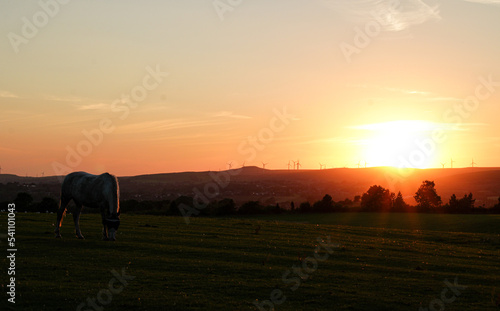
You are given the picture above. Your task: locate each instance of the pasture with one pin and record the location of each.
(230, 263)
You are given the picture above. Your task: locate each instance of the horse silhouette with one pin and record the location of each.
(95, 191)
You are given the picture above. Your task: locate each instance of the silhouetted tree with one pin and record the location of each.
(399, 204)
(496, 208)
(324, 206)
(183, 205)
(47, 205)
(463, 205)
(426, 196)
(305, 207)
(357, 199)
(251, 207)
(377, 198)
(23, 201)
(226, 207)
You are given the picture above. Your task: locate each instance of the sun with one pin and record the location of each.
(401, 143)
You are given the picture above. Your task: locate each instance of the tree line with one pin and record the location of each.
(375, 199)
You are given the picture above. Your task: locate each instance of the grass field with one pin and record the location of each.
(383, 262)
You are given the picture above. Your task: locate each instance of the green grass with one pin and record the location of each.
(411, 221)
(221, 264)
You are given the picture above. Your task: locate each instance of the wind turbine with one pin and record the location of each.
(365, 163)
(243, 165)
(288, 165)
(298, 164)
(451, 161)
(43, 174)
(229, 165)
(443, 163)
(359, 164)
(472, 163)
(294, 164)
(321, 166)
(264, 165)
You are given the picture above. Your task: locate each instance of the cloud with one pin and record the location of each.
(7, 94)
(99, 106)
(404, 91)
(229, 114)
(329, 140)
(484, 1)
(409, 126)
(165, 125)
(389, 15)
(62, 98)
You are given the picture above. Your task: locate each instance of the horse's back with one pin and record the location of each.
(88, 188)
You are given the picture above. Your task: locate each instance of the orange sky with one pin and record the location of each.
(176, 86)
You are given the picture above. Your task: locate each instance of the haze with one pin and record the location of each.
(341, 83)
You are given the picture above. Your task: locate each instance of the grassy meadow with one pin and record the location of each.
(382, 262)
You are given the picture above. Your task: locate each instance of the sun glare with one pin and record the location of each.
(402, 143)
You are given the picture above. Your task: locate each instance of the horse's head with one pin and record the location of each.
(113, 223)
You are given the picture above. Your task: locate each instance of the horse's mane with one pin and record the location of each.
(116, 189)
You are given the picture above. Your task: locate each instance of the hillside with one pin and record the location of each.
(274, 186)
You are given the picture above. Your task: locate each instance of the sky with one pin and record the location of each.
(133, 87)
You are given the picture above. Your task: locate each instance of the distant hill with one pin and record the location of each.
(254, 183)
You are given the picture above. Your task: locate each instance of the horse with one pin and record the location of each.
(98, 191)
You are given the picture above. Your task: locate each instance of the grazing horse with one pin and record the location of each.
(98, 191)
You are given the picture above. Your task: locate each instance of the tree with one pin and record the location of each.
(251, 207)
(23, 201)
(305, 207)
(399, 204)
(463, 205)
(226, 207)
(47, 205)
(325, 205)
(377, 198)
(427, 197)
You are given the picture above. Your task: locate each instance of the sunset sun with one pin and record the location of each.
(402, 143)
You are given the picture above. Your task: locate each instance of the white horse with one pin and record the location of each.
(98, 191)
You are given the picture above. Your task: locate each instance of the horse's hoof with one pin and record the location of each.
(58, 236)
(105, 239)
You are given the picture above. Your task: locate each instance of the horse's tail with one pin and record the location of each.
(116, 190)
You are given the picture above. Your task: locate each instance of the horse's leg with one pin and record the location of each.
(104, 227)
(76, 218)
(63, 203)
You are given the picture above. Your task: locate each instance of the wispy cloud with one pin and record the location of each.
(390, 89)
(407, 126)
(390, 15)
(98, 106)
(229, 114)
(484, 1)
(166, 125)
(62, 98)
(405, 91)
(7, 94)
